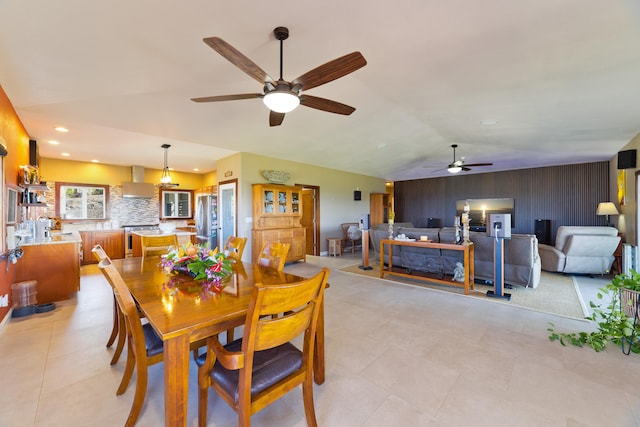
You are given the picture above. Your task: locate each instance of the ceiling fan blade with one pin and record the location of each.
(330, 71)
(238, 59)
(275, 119)
(478, 164)
(326, 105)
(227, 97)
(466, 169)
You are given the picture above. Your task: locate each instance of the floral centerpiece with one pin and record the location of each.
(200, 262)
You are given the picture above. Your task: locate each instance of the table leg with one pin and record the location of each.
(381, 259)
(318, 354)
(466, 270)
(176, 380)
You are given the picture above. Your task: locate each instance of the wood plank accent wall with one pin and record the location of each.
(566, 195)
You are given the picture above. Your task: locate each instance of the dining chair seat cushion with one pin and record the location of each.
(269, 367)
(152, 340)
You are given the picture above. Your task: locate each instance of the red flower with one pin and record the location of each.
(216, 268)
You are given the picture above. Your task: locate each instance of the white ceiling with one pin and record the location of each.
(561, 78)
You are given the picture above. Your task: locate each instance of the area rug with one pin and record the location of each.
(556, 293)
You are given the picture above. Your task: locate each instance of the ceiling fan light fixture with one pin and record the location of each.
(454, 169)
(281, 101)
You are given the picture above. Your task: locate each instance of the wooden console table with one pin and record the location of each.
(468, 261)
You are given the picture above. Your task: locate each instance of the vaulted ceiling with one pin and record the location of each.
(559, 80)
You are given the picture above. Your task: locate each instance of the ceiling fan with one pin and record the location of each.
(459, 165)
(282, 96)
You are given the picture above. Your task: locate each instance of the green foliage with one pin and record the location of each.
(613, 325)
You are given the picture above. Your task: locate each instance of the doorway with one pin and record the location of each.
(310, 220)
(228, 202)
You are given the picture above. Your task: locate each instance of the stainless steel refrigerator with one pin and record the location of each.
(207, 220)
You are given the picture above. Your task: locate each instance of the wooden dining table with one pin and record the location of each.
(182, 312)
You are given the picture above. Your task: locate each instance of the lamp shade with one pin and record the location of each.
(281, 101)
(607, 208)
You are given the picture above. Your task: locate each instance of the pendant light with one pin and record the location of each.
(165, 180)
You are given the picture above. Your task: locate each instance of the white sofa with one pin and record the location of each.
(580, 250)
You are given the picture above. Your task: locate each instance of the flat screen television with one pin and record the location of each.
(481, 208)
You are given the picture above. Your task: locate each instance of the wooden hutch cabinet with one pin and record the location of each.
(379, 209)
(277, 210)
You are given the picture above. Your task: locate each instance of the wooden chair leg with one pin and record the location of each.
(203, 402)
(114, 330)
(307, 397)
(138, 400)
(128, 370)
(122, 336)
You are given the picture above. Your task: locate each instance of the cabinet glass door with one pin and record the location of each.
(282, 201)
(295, 202)
(268, 201)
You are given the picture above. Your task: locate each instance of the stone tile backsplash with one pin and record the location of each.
(121, 211)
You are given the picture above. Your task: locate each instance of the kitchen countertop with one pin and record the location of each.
(56, 238)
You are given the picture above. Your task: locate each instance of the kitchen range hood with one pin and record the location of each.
(137, 187)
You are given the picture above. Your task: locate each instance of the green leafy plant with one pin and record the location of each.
(613, 324)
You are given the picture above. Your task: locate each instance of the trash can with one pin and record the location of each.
(24, 296)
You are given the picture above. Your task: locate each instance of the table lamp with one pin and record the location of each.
(607, 208)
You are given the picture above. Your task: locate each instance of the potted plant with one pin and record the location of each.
(617, 322)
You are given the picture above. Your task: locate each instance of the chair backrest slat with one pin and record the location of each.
(273, 255)
(158, 245)
(297, 304)
(234, 247)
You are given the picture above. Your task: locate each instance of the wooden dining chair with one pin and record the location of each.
(273, 255)
(144, 346)
(119, 328)
(234, 247)
(157, 245)
(262, 366)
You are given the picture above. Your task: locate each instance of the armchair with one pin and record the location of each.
(351, 235)
(582, 250)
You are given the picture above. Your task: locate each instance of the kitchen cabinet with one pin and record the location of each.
(112, 241)
(277, 210)
(56, 268)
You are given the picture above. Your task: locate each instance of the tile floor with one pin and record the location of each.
(396, 356)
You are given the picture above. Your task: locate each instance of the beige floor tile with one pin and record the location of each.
(396, 355)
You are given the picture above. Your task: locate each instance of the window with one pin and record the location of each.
(81, 201)
(12, 206)
(176, 203)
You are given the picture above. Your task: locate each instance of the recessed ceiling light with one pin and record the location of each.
(52, 142)
(62, 129)
(65, 154)
(95, 161)
(196, 169)
(489, 122)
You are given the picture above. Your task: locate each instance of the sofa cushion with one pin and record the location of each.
(521, 260)
(581, 250)
(565, 231)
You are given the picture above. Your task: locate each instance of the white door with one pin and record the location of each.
(228, 208)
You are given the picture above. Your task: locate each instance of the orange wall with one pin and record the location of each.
(17, 141)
